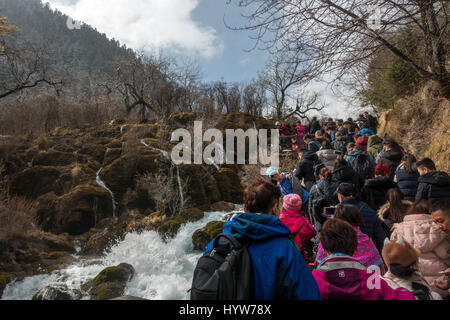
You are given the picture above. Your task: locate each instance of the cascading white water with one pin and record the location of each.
(164, 270)
(167, 156)
(103, 185)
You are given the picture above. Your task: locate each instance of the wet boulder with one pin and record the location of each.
(222, 206)
(230, 185)
(203, 236)
(55, 293)
(110, 283)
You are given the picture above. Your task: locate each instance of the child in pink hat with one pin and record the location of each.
(301, 229)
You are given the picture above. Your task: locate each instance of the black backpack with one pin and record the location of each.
(362, 166)
(319, 201)
(224, 273)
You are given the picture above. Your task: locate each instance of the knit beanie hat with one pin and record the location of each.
(382, 169)
(292, 202)
(399, 252)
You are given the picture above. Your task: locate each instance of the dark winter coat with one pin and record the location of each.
(433, 186)
(346, 174)
(374, 191)
(392, 158)
(407, 183)
(305, 169)
(340, 144)
(327, 188)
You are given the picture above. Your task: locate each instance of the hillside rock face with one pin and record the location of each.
(59, 170)
(421, 124)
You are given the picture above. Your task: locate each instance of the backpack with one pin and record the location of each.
(362, 166)
(224, 273)
(319, 202)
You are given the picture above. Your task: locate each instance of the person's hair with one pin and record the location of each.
(338, 134)
(402, 272)
(356, 136)
(319, 133)
(350, 214)
(426, 163)
(410, 163)
(326, 173)
(308, 136)
(441, 205)
(326, 145)
(338, 236)
(359, 147)
(340, 163)
(421, 206)
(397, 208)
(260, 196)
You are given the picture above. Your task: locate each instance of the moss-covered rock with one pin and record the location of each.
(110, 282)
(203, 236)
(222, 206)
(34, 182)
(53, 158)
(171, 226)
(192, 214)
(4, 280)
(229, 185)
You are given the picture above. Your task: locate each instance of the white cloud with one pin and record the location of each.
(147, 25)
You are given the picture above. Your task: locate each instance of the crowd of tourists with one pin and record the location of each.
(359, 218)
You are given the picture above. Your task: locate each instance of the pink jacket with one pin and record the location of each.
(423, 234)
(300, 129)
(344, 278)
(300, 227)
(366, 253)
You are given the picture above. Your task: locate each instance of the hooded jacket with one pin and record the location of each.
(346, 174)
(392, 158)
(328, 189)
(351, 157)
(300, 228)
(340, 144)
(396, 282)
(433, 186)
(374, 191)
(279, 270)
(362, 141)
(407, 182)
(422, 233)
(327, 157)
(341, 277)
(305, 169)
(374, 146)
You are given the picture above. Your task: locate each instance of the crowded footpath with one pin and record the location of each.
(360, 218)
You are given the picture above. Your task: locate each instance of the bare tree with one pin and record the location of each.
(281, 77)
(338, 35)
(142, 82)
(25, 66)
(306, 102)
(254, 98)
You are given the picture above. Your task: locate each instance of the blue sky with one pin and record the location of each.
(191, 29)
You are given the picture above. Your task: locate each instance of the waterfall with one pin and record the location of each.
(164, 270)
(167, 156)
(103, 185)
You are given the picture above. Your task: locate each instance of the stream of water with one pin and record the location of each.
(164, 270)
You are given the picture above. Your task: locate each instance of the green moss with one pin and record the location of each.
(170, 227)
(111, 274)
(4, 280)
(192, 214)
(203, 236)
(229, 185)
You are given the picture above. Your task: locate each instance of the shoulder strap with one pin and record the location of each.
(232, 240)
